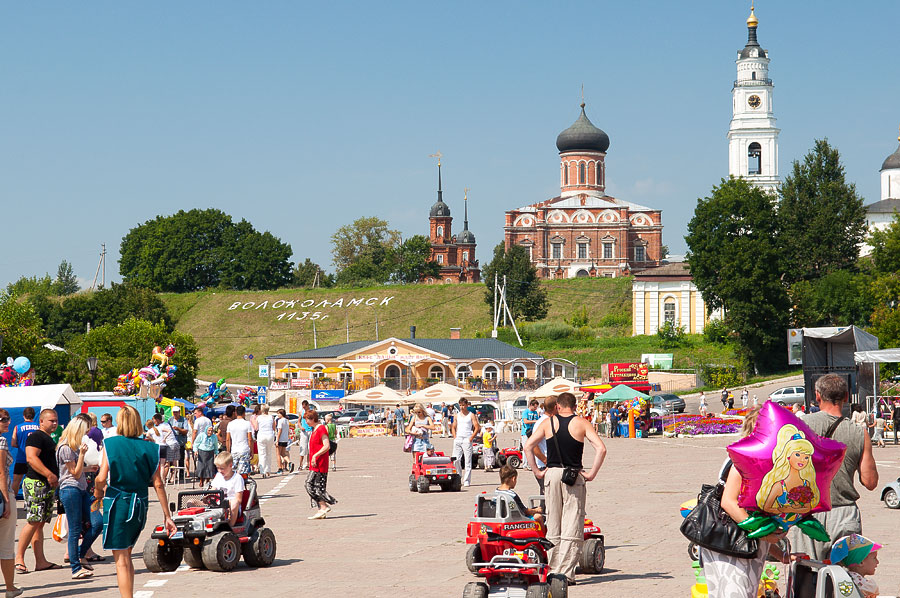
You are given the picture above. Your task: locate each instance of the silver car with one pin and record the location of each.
(789, 395)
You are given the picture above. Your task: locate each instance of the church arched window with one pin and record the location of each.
(754, 158)
(599, 178)
(566, 174)
(440, 231)
(581, 174)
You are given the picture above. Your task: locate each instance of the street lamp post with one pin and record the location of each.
(92, 368)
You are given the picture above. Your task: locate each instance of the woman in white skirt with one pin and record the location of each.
(265, 439)
(728, 576)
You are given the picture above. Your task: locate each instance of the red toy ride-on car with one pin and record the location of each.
(500, 528)
(434, 469)
(510, 456)
(512, 576)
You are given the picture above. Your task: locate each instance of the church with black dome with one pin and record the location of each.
(454, 254)
(585, 232)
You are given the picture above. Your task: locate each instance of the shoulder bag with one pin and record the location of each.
(570, 474)
(709, 526)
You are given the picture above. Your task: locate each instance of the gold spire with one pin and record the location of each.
(752, 21)
(898, 138)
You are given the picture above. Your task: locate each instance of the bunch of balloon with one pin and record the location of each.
(634, 411)
(215, 392)
(16, 372)
(153, 376)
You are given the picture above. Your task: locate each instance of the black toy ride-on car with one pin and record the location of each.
(437, 469)
(204, 538)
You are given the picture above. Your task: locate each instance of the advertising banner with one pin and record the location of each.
(795, 346)
(327, 395)
(368, 430)
(628, 372)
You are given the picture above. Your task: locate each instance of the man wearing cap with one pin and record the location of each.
(844, 518)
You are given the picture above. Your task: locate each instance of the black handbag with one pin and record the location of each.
(709, 526)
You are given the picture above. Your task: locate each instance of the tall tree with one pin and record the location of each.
(201, 249)
(526, 298)
(822, 220)
(735, 262)
(308, 273)
(413, 263)
(363, 235)
(66, 282)
(32, 286)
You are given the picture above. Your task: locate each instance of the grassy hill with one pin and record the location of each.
(228, 325)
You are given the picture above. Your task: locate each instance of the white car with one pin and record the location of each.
(789, 395)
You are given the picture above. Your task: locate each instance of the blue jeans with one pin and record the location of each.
(82, 523)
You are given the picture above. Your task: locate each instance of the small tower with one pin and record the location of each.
(753, 136)
(439, 217)
(582, 151)
(469, 270)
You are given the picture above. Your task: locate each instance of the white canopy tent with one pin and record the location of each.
(876, 357)
(378, 395)
(44, 396)
(443, 392)
(554, 387)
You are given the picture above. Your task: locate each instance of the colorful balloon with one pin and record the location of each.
(787, 471)
(22, 365)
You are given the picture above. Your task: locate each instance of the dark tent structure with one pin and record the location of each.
(831, 350)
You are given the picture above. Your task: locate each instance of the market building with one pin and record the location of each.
(584, 231)
(455, 254)
(667, 293)
(414, 363)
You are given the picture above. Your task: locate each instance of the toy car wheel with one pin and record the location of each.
(412, 483)
(193, 557)
(538, 590)
(694, 552)
(501, 459)
(456, 484)
(222, 552)
(891, 499)
(473, 555)
(559, 586)
(593, 556)
(475, 589)
(513, 461)
(162, 559)
(259, 551)
(422, 485)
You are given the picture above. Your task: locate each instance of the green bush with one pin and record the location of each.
(615, 319)
(580, 318)
(721, 376)
(716, 331)
(670, 335)
(546, 331)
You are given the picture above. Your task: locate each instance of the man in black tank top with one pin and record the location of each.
(566, 433)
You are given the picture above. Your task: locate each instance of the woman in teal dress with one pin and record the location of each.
(129, 465)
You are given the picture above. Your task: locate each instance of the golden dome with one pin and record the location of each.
(752, 21)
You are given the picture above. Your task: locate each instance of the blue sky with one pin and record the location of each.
(302, 116)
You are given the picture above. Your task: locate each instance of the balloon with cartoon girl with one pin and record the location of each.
(789, 490)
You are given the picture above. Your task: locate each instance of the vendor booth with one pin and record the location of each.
(99, 403)
(378, 396)
(876, 402)
(832, 350)
(444, 393)
(59, 397)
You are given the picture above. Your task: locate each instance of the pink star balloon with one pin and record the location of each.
(786, 467)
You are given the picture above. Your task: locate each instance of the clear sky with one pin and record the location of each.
(302, 116)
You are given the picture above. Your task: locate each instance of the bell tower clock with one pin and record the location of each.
(752, 136)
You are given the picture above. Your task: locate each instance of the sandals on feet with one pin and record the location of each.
(21, 569)
(82, 574)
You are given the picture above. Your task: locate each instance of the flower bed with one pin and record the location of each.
(692, 425)
(741, 412)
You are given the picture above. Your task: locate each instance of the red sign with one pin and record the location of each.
(300, 382)
(628, 372)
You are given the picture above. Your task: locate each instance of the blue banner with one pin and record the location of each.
(327, 395)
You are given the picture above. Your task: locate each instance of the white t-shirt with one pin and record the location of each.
(265, 426)
(231, 486)
(110, 431)
(169, 434)
(238, 430)
(284, 430)
(543, 443)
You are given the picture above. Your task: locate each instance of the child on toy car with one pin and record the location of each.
(508, 479)
(231, 483)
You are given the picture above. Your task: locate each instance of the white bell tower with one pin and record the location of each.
(753, 137)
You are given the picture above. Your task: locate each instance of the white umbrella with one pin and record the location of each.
(443, 392)
(378, 395)
(554, 387)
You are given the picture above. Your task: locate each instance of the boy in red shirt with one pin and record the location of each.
(318, 466)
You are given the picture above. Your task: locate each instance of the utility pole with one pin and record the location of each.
(315, 337)
(376, 326)
(101, 267)
(348, 329)
(494, 331)
(504, 300)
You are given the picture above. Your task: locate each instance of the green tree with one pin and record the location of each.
(309, 273)
(373, 266)
(886, 248)
(113, 305)
(735, 262)
(20, 327)
(413, 260)
(66, 282)
(821, 218)
(362, 236)
(201, 249)
(32, 286)
(840, 298)
(121, 347)
(526, 298)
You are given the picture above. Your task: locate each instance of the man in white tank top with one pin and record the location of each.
(464, 429)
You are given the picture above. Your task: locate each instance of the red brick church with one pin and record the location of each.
(584, 231)
(455, 254)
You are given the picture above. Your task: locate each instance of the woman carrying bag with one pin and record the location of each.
(730, 576)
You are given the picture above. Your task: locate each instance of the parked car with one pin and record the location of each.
(520, 406)
(353, 417)
(789, 395)
(668, 403)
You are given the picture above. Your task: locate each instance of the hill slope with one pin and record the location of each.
(229, 325)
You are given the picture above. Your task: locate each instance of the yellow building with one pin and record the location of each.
(412, 364)
(667, 294)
